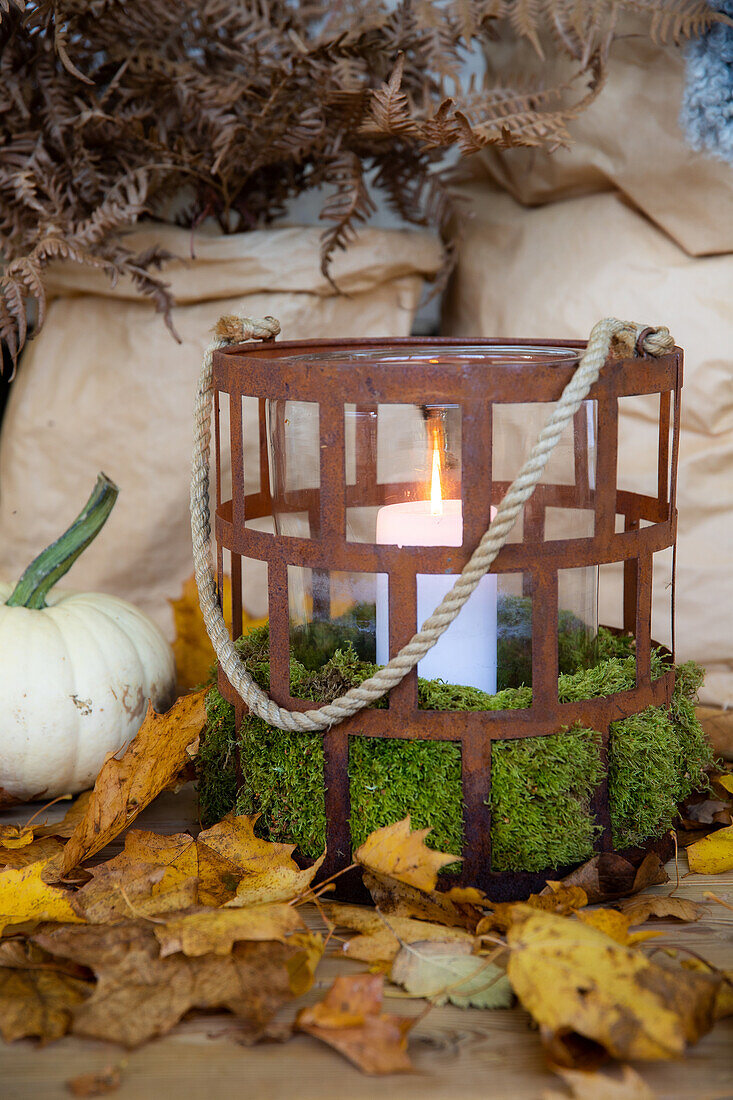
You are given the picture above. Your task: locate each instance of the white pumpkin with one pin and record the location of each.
(76, 674)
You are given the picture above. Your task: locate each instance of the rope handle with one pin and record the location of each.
(634, 339)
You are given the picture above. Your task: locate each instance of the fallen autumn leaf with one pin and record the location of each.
(140, 995)
(381, 938)
(215, 930)
(24, 896)
(402, 854)
(350, 1020)
(126, 786)
(573, 978)
(713, 854)
(446, 972)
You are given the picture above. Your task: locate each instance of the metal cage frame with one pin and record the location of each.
(264, 372)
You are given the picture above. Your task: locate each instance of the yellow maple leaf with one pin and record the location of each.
(573, 978)
(713, 854)
(24, 896)
(240, 869)
(402, 854)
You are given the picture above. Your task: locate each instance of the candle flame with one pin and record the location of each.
(436, 484)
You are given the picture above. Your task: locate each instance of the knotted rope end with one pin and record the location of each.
(238, 330)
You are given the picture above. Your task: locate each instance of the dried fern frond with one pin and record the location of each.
(229, 108)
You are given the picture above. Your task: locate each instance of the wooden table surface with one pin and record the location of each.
(459, 1054)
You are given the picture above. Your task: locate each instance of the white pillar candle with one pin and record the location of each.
(466, 653)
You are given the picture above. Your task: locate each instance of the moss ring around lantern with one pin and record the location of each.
(542, 788)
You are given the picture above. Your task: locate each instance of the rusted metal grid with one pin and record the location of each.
(649, 525)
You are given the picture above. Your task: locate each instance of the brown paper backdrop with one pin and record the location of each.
(629, 140)
(554, 271)
(105, 387)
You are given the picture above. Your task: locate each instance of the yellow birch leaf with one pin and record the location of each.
(214, 931)
(24, 896)
(396, 851)
(573, 979)
(713, 854)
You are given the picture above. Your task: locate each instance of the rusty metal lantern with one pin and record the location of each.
(324, 434)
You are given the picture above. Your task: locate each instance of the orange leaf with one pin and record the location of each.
(403, 855)
(350, 1020)
(126, 786)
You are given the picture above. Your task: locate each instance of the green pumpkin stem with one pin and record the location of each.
(58, 558)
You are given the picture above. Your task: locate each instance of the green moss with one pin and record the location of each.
(541, 788)
(655, 760)
(216, 763)
(391, 778)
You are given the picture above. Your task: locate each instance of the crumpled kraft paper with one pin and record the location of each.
(105, 387)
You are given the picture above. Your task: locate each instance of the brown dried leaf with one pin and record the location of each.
(69, 821)
(576, 981)
(456, 908)
(350, 1020)
(381, 938)
(126, 786)
(646, 906)
(607, 876)
(396, 851)
(215, 930)
(15, 836)
(129, 886)
(140, 995)
(724, 1000)
(96, 1084)
(37, 993)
